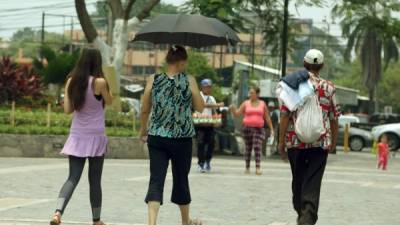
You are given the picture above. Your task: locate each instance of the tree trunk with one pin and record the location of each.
(113, 56)
(86, 23)
(371, 107)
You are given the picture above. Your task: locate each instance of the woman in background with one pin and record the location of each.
(255, 113)
(171, 97)
(86, 93)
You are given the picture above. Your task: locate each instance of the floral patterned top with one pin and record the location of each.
(326, 93)
(171, 107)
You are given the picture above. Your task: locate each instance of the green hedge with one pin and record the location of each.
(34, 121)
(36, 130)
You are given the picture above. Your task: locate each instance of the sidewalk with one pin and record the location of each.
(353, 192)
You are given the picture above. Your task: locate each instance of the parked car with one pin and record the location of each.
(392, 131)
(384, 118)
(348, 119)
(358, 138)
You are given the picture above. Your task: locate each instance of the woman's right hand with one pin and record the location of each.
(143, 136)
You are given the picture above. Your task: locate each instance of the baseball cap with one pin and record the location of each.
(206, 83)
(314, 56)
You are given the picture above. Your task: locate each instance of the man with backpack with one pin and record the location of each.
(308, 133)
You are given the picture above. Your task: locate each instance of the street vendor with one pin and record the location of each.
(205, 131)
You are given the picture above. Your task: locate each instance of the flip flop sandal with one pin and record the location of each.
(56, 220)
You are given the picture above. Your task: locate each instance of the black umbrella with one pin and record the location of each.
(189, 30)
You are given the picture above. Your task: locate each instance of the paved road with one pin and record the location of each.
(354, 193)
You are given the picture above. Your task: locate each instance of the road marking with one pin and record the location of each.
(249, 177)
(13, 203)
(367, 184)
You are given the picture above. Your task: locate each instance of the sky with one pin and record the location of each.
(17, 14)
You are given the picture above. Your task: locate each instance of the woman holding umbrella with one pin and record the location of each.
(171, 97)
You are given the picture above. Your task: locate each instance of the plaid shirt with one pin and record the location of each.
(330, 110)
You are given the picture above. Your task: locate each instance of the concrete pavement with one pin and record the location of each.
(353, 193)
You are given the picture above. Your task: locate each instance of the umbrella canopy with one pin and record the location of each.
(189, 30)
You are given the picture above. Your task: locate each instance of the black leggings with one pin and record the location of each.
(179, 151)
(76, 165)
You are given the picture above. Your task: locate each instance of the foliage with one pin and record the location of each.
(59, 66)
(30, 40)
(243, 15)
(351, 77)
(371, 30)
(17, 82)
(388, 90)
(35, 130)
(102, 11)
(228, 11)
(329, 45)
(199, 68)
(34, 121)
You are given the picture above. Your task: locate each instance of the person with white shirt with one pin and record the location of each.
(205, 132)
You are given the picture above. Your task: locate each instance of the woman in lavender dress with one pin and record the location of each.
(86, 93)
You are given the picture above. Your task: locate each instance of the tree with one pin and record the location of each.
(199, 68)
(371, 31)
(388, 90)
(114, 54)
(102, 10)
(228, 11)
(59, 65)
(30, 41)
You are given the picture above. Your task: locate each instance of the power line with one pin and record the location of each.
(36, 11)
(58, 5)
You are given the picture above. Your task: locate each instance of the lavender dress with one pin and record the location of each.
(87, 135)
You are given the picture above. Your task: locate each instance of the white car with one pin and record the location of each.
(348, 119)
(392, 131)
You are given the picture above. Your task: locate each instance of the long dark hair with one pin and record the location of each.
(88, 64)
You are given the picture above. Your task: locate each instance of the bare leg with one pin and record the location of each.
(154, 207)
(185, 214)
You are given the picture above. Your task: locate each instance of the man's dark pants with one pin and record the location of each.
(308, 166)
(205, 144)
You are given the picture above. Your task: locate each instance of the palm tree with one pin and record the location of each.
(373, 33)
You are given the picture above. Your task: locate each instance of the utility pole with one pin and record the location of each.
(71, 35)
(285, 37)
(253, 46)
(63, 37)
(42, 36)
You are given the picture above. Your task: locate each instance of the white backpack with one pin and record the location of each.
(309, 124)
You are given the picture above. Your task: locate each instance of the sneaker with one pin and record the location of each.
(201, 169)
(208, 167)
